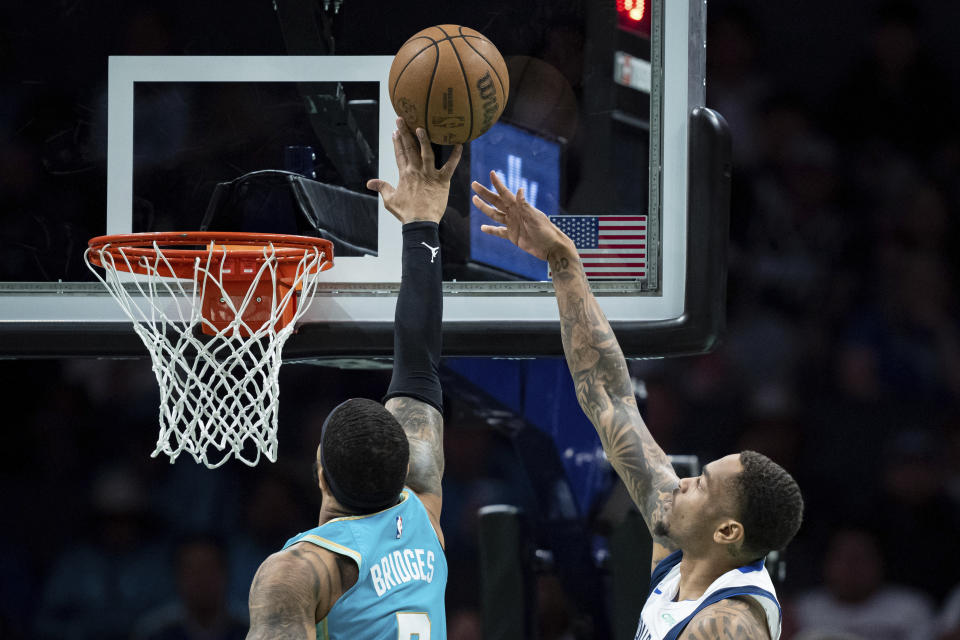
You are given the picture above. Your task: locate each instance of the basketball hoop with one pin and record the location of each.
(214, 310)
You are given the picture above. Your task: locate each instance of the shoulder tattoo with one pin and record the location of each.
(423, 425)
(286, 593)
(730, 619)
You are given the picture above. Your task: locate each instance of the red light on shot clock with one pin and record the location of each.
(635, 9)
(634, 16)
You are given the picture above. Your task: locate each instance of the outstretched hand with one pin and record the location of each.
(422, 191)
(525, 225)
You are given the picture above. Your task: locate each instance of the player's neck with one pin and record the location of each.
(698, 572)
(330, 510)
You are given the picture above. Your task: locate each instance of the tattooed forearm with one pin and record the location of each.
(605, 393)
(424, 427)
(286, 592)
(731, 619)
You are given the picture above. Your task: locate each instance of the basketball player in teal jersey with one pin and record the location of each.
(374, 568)
(710, 533)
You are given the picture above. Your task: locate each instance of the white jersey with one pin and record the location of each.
(664, 618)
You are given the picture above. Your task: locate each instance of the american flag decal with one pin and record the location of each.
(611, 247)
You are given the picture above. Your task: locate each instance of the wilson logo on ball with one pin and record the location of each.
(491, 109)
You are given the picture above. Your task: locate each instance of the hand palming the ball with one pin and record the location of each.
(422, 190)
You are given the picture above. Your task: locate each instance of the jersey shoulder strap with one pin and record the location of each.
(766, 599)
(663, 568)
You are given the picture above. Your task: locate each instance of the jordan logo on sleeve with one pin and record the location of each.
(433, 251)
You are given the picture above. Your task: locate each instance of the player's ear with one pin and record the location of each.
(728, 532)
(318, 477)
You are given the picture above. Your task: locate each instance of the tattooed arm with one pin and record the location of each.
(605, 393)
(292, 590)
(730, 619)
(424, 427)
(596, 362)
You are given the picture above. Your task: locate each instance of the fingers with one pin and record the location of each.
(386, 191)
(500, 232)
(398, 151)
(408, 143)
(383, 187)
(489, 211)
(426, 150)
(446, 171)
(500, 187)
(485, 193)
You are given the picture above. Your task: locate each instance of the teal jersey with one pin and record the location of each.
(402, 574)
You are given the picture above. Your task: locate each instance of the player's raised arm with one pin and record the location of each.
(593, 354)
(291, 588)
(414, 397)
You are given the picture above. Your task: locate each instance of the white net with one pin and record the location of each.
(219, 393)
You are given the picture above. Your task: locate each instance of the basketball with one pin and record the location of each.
(451, 81)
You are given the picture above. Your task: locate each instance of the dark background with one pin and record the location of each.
(842, 359)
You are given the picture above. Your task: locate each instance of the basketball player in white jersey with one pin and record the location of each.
(710, 533)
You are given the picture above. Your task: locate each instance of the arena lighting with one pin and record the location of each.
(634, 16)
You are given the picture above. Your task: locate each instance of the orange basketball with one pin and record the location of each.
(451, 81)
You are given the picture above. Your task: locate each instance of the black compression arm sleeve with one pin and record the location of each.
(418, 318)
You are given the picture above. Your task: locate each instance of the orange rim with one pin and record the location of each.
(127, 249)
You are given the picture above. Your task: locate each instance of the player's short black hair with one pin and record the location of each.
(364, 453)
(771, 507)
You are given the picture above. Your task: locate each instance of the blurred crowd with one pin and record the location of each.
(102, 541)
(841, 362)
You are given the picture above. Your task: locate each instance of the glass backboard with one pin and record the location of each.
(605, 128)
